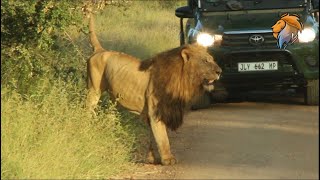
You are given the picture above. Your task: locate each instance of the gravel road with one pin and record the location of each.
(267, 139)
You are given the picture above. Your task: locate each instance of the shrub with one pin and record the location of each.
(29, 29)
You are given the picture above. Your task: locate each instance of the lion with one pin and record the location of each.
(159, 89)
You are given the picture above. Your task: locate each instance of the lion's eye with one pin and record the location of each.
(208, 60)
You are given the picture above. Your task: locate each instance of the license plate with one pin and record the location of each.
(258, 66)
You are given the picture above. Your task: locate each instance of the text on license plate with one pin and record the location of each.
(258, 66)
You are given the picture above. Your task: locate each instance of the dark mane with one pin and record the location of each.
(175, 84)
(164, 56)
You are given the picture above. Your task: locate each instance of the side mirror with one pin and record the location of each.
(184, 12)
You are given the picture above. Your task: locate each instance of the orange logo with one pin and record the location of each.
(286, 30)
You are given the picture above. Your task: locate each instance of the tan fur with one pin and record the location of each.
(158, 89)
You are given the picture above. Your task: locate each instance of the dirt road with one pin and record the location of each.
(247, 140)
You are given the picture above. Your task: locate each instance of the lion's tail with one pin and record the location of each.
(93, 37)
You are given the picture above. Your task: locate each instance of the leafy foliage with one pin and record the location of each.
(35, 22)
(29, 29)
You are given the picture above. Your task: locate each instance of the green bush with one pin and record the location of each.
(29, 29)
(35, 22)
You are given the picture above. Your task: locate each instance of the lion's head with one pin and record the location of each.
(178, 76)
(202, 66)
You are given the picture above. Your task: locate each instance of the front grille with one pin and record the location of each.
(242, 40)
(230, 62)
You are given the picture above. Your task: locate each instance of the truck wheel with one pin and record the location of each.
(311, 95)
(202, 103)
(219, 96)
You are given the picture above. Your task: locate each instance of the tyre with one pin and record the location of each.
(202, 102)
(311, 95)
(219, 96)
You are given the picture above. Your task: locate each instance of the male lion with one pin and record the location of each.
(158, 89)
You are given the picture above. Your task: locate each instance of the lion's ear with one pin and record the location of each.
(185, 55)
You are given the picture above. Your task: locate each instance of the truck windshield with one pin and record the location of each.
(231, 5)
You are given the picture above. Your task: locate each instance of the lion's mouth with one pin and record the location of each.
(209, 84)
(211, 81)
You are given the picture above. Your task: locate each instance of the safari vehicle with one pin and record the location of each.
(239, 36)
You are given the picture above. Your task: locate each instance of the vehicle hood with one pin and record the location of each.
(219, 22)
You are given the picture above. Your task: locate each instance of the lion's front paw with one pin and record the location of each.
(169, 161)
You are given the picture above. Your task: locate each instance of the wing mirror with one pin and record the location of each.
(184, 12)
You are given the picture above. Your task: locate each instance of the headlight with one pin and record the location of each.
(307, 35)
(206, 39)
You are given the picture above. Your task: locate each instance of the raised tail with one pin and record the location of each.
(93, 37)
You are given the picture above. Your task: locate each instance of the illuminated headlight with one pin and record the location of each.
(206, 39)
(307, 35)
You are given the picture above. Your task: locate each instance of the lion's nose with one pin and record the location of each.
(218, 70)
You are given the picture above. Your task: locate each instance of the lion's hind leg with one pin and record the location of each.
(93, 97)
(96, 84)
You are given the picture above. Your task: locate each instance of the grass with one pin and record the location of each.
(49, 134)
(144, 29)
(58, 138)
